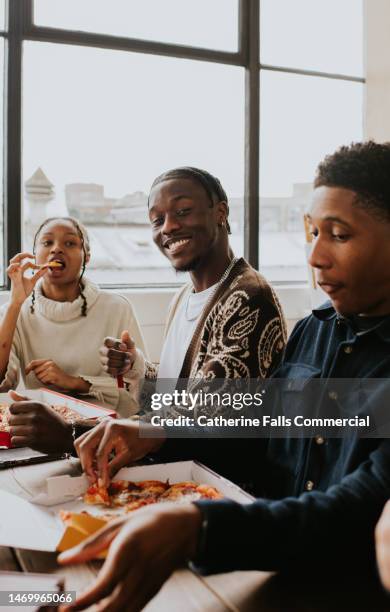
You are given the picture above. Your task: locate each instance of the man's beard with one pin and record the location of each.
(191, 266)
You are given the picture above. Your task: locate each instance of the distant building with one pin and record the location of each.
(285, 214)
(39, 191)
(88, 203)
(121, 239)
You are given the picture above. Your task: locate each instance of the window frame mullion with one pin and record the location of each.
(16, 15)
(251, 33)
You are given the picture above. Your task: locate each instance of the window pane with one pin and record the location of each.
(302, 119)
(2, 14)
(103, 124)
(1, 161)
(325, 35)
(200, 23)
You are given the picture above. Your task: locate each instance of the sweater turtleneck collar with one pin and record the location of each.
(65, 311)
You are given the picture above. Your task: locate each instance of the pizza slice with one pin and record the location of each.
(184, 492)
(97, 495)
(4, 417)
(125, 493)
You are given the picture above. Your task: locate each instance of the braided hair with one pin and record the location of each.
(211, 184)
(83, 235)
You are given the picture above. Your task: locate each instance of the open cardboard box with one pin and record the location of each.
(24, 524)
(85, 409)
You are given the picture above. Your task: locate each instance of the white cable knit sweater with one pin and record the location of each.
(57, 331)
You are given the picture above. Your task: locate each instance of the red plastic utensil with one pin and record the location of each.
(120, 382)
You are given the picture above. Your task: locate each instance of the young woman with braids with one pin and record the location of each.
(55, 321)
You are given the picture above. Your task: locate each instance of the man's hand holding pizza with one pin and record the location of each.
(113, 444)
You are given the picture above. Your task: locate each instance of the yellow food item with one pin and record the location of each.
(55, 264)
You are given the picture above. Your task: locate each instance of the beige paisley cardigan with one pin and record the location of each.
(241, 332)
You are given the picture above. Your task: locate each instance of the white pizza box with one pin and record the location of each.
(24, 524)
(84, 408)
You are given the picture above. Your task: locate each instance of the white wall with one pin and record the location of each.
(151, 307)
(377, 62)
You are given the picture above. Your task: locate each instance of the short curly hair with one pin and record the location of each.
(362, 167)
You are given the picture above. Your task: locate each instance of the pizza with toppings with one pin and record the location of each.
(68, 414)
(4, 417)
(122, 497)
(188, 492)
(133, 495)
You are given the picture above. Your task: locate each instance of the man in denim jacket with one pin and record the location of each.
(321, 496)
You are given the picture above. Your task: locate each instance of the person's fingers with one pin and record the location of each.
(28, 266)
(118, 462)
(23, 406)
(17, 397)
(147, 589)
(86, 447)
(91, 546)
(42, 368)
(111, 573)
(95, 593)
(124, 364)
(114, 370)
(20, 256)
(116, 355)
(106, 446)
(20, 419)
(126, 339)
(45, 378)
(41, 272)
(81, 438)
(110, 342)
(122, 596)
(34, 364)
(13, 269)
(25, 431)
(116, 601)
(19, 441)
(115, 343)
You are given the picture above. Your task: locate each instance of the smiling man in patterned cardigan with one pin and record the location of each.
(227, 322)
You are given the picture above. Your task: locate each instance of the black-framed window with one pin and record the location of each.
(98, 103)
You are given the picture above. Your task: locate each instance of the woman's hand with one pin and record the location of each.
(144, 551)
(121, 437)
(22, 286)
(49, 373)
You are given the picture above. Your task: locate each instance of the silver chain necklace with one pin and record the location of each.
(217, 286)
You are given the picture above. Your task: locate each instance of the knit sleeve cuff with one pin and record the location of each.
(12, 374)
(138, 370)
